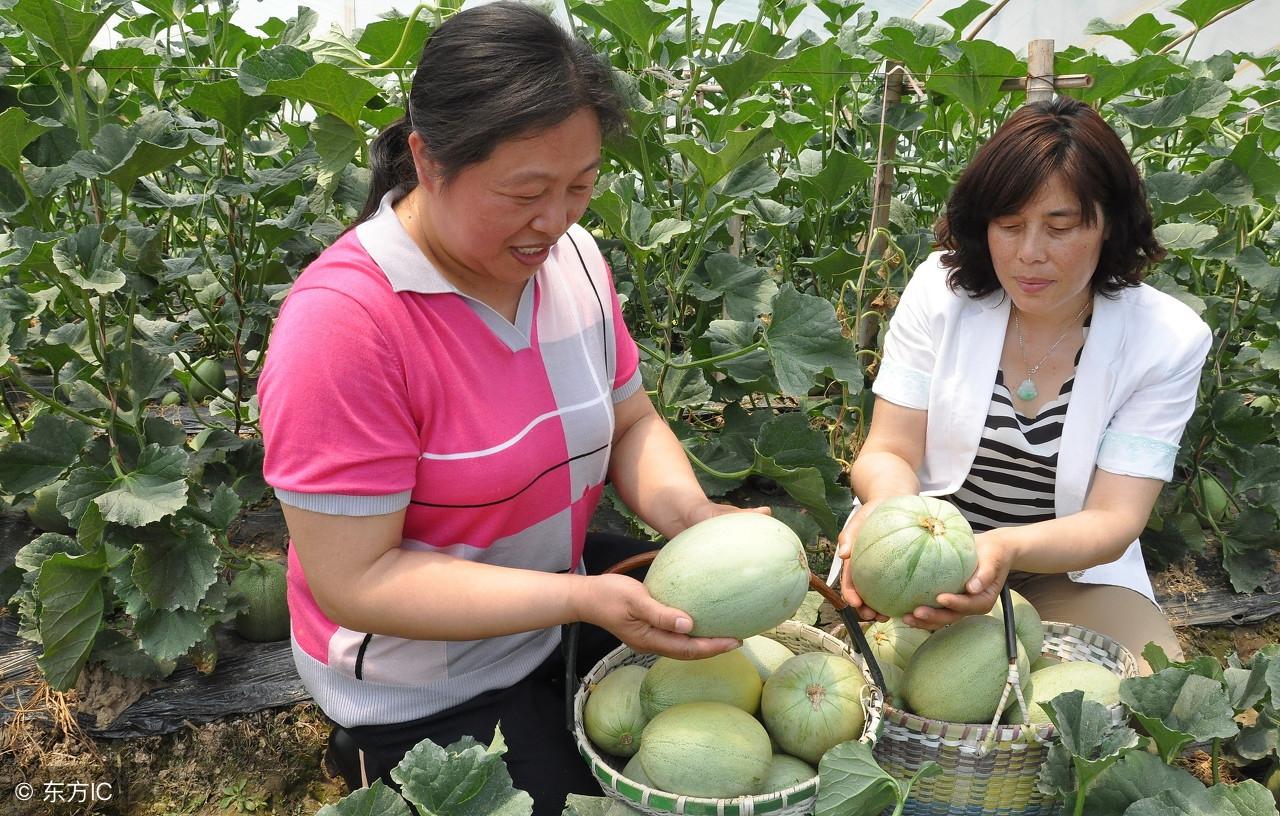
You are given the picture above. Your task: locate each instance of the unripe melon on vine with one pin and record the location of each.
(706, 749)
(735, 575)
(910, 550)
(813, 702)
(1026, 623)
(728, 678)
(958, 675)
(211, 371)
(893, 642)
(43, 511)
(766, 654)
(266, 616)
(613, 717)
(785, 771)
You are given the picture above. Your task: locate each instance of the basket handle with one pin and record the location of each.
(851, 623)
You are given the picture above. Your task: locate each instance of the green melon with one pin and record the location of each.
(959, 673)
(1098, 683)
(1026, 623)
(735, 575)
(706, 749)
(211, 372)
(613, 717)
(813, 702)
(785, 771)
(726, 678)
(910, 550)
(43, 511)
(766, 654)
(633, 771)
(893, 642)
(893, 684)
(266, 616)
(1044, 661)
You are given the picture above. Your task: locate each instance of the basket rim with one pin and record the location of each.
(1014, 732)
(802, 793)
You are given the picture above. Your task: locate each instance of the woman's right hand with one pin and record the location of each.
(844, 550)
(623, 606)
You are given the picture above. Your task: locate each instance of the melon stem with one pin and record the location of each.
(816, 693)
(933, 525)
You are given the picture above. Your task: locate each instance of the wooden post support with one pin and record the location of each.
(1040, 79)
(882, 197)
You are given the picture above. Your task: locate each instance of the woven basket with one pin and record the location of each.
(985, 772)
(793, 801)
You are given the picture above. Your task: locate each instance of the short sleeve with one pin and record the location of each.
(905, 374)
(338, 430)
(626, 375)
(1142, 438)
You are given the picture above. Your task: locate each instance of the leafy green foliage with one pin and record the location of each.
(850, 783)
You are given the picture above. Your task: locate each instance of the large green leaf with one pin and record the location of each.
(226, 102)
(576, 804)
(1177, 708)
(804, 339)
(337, 143)
(1181, 235)
(1200, 12)
(175, 571)
(1255, 268)
(1087, 732)
(738, 148)
(631, 22)
(52, 446)
(1135, 776)
(833, 177)
(123, 156)
(960, 16)
(747, 290)
(975, 79)
(67, 31)
(272, 65)
(798, 458)
(465, 779)
(1227, 183)
(16, 132)
(1258, 165)
(381, 38)
(168, 635)
(850, 781)
(827, 69)
(1246, 799)
(88, 261)
(730, 336)
(913, 44)
(156, 488)
(71, 606)
(375, 800)
(328, 88)
(1144, 33)
(738, 73)
(752, 179)
(1203, 98)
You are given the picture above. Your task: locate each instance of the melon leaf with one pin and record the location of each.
(1089, 739)
(851, 783)
(1177, 707)
(375, 800)
(465, 779)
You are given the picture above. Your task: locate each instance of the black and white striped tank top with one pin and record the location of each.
(1012, 478)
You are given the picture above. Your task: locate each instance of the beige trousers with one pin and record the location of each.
(1120, 613)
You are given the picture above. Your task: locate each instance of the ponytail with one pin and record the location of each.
(391, 165)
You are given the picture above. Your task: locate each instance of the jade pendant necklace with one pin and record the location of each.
(1027, 391)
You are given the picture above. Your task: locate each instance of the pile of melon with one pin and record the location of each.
(750, 721)
(910, 550)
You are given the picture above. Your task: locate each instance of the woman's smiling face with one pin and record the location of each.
(1045, 254)
(493, 224)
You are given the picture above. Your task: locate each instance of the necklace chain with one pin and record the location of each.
(1027, 391)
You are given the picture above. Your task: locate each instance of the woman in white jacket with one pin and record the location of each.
(1033, 380)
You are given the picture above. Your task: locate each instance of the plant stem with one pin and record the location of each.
(1214, 760)
(11, 370)
(710, 471)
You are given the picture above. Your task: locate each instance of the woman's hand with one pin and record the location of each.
(622, 605)
(995, 558)
(844, 550)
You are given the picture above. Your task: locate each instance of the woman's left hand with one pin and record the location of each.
(710, 509)
(995, 559)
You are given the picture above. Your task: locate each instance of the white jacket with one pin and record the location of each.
(1134, 390)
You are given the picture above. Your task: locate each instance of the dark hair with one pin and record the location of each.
(488, 74)
(1040, 139)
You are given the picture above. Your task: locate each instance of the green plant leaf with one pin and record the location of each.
(975, 79)
(1135, 776)
(738, 73)
(748, 291)
(631, 22)
(226, 102)
(794, 129)
(52, 446)
(67, 31)
(271, 65)
(168, 634)
(960, 16)
(913, 44)
(16, 132)
(175, 571)
(328, 88)
(1177, 707)
(375, 800)
(728, 336)
(827, 69)
(578, 805)
(88, 261)
(123, 156)
(804, 340)
(465, 779)
(156, 488)
(1087, 732)
(1257, 165)
(381, 38)
(1203, 98)
(751, 179)
(1255, 267)
(1184, 236)
(714, 163)
(1227, 183)
(71, 605)
(798, 458)
(1246, 799)
(851, 783)
(337, 143)
(1200, 12)
(1144, 33)
(1171, 186)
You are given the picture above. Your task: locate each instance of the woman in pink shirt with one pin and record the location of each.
(448, 388)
